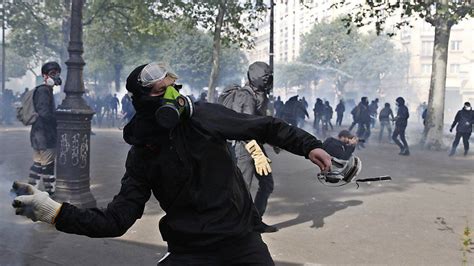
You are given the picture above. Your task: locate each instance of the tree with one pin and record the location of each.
(230, 21)
(39, 30)
(189, 52)
(113, 39)
(364, 59)
(442, 14)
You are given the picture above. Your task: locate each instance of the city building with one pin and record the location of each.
(293, 19)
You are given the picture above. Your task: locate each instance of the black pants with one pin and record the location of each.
(400, 131)
(465, 140)
(363, 131)
(251, 250)
(339, 119)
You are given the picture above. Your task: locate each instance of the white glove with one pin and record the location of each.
(262, 163)
(34, 204)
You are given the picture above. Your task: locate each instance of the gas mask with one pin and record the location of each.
(173, 107)
(344, 172)
(53, 80)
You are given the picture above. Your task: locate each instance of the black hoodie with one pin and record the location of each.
(190, 171)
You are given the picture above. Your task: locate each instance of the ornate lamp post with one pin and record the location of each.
(74, 125)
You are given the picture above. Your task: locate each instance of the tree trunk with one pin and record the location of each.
(117, 74)
(216, 51)
(433, 133)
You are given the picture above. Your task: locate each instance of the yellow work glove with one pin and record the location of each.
(262, 163)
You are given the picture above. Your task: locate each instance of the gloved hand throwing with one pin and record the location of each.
(262, 163)
(34, 204)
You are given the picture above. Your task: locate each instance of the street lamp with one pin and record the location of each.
(74, 125)
(272, 100)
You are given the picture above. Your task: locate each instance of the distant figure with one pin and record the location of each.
(114, 104)
(386, 118)
(290, 111)
(464, 120)
(363, 119)
(8, 99)
(127, 108)
(373, 108)
(401, 122)
(421, 110)
(327, 116)
(278, 106)
(203, 97)
(305, 103)
(340, 109)
(301, 112)
(318, 111)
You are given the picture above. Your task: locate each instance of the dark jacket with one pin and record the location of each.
(340, 108)
(193, 176)
(43, 132)
(361, 113)
(402, 116)
(327, 115)
(464, 120)
(338, 149)
(318, 109)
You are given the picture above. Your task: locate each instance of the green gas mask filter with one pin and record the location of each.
(174, 107)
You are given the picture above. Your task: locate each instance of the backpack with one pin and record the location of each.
(356, 111)
(227, 96)
(26, 112)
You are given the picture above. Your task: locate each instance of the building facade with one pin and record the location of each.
(293, 19)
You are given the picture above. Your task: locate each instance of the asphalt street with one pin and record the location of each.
(416, 219)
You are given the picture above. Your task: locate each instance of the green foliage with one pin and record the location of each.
(34, 28)
(328, 45)
(376, 12)
(364, 59)
(239, 17)
(16, 65)
(296, 74)
(466, 243)
(189, 53)
(121, 34)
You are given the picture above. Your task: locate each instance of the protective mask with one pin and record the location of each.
(173, 108)
(342, 171)
(53, 80)
(467, 108)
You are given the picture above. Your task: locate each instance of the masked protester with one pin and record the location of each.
(250, 155)
(464, 120)
(401, 122)
(179, 153)
(43, 130)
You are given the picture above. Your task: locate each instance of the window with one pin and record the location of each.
(426, 69)
(454, 68)
(427, 48)
(455, 45)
